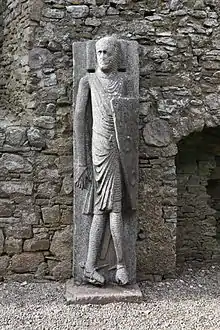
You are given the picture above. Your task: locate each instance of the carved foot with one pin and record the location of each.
(94, 277)
(121, 276)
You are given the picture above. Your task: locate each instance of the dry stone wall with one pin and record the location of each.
(197, 197)
(179, 88)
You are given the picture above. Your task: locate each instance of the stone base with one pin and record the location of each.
(86, 294)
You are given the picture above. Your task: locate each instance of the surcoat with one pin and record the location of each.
(107, 170)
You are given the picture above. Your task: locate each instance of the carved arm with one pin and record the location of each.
(79, 122)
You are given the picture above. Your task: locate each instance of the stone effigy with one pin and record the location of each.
(106, 162)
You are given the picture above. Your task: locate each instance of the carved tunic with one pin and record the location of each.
(105, 154)
(107, 172)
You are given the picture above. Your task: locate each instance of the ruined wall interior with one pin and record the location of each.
(179, 66)
(198, 187)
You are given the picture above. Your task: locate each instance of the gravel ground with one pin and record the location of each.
(191, 301)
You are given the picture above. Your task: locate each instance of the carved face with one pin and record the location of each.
(107, 54)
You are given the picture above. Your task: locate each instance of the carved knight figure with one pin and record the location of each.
(111, 178)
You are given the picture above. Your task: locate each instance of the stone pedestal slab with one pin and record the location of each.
(87, 294)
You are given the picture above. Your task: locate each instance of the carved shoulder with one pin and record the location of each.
(84, 83)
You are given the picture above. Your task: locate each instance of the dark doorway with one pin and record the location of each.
(198, 181)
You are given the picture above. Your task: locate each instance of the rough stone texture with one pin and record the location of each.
(61, 245)
(36, 244)
(4, 262)
(26, 262)
(95, 295)
(62, 271)
(179, 77)
(1, 242)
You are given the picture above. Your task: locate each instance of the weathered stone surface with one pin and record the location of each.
(2, 137)
(42, 270)
(62, 271)
(1, 242)
(12, 246)
(78, 11)
(6, 208)
(53, 13)
(15, 163)
(36, 10)
(51, 215)
(179, 43)
(93, 21)
(46, 122)
(157, 133)
(36, 244)
(15, 136)
(94, 295)
(39, 57)
(19, 231)
(4, 262)
(11, 187)
(26, 262)
(67, 186)
(47, 190)
(35, 138)
(66, 217)
(61, 245)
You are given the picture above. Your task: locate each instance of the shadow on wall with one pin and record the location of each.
(198, 181)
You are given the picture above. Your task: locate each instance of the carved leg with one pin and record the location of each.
(116, 227)
(95, 238)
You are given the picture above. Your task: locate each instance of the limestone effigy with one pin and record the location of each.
(106, 161)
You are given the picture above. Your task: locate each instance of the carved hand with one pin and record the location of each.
(82, 177)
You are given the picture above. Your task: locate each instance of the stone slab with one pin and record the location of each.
(86, 294)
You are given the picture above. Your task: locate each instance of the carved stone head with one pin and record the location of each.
(108, 54)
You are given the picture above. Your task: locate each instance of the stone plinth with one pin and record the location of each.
(87, 294)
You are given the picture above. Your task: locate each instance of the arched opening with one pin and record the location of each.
(198, 182)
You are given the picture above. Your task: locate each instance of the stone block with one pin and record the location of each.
(36, 244)
(12, 246)
(2, 137)
(46, 122)
(19, 231)
(36, 10)
(6, 208)
(47, 190)
(19, 187)
(94, 295)
(15, 136)
(157, 133)
(67, 186)
(51, 215)
(39, 57)
(93, 21)
(1, 242)
(53, 13)
(61, 245)
(47, 174)
(26, 262)
(64, 164)
(35, 138)
(62, 271)
(4, 262)
(15, 163)
(66, 217)
(78, 11)
(42, 270)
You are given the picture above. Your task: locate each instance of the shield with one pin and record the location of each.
(125, 114)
